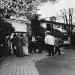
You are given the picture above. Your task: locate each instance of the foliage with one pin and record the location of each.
(5, 28)
(58, 34)
(22, 7)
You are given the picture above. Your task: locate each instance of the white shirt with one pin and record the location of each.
(49, 39)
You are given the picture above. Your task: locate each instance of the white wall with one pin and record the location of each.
(18, 25)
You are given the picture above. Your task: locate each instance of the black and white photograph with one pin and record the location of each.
(37, 37)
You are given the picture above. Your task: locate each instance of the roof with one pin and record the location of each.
(57, 23)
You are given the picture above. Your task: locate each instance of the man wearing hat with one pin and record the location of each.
(49, 41)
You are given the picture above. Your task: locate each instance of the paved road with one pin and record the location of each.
(56, 65)
(21, 65)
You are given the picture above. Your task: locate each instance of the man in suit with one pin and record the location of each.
(13, 41)
(57, 45)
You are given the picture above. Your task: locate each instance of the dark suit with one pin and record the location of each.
(57, 45)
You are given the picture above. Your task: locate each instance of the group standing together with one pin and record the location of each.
(52, 44)
(49, 43)
(22, 47)
(20, 44)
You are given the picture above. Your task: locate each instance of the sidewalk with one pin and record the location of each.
(21, 65)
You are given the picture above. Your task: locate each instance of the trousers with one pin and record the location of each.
(50, 49)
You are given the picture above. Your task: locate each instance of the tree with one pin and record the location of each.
(6, 29)
(22, 7)
(66, 16)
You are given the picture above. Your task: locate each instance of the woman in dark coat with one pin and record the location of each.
(19, 47)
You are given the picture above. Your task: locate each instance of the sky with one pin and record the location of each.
(47, 9)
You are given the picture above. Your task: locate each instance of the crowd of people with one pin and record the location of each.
(20, 44)
(52, 44)
(22, 47)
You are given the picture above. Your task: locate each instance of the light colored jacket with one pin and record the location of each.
(49, 39)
